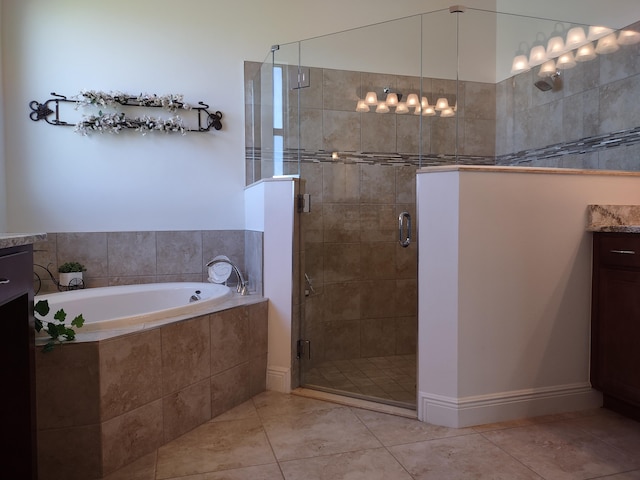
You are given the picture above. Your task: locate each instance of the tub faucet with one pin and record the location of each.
(242, 283)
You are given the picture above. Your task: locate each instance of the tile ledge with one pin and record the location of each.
(537, 170)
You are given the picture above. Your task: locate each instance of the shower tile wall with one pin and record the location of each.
(590, 122)
(120, 258)
(328, 121)
(363, 302)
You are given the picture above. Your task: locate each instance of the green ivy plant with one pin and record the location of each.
(69, 267)
(57, 329)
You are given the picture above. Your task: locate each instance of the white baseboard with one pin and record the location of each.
(279, 379)
(499, 407)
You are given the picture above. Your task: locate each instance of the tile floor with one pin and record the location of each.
(390, 378)
(278, 436)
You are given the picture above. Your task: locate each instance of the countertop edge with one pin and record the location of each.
(8, 240)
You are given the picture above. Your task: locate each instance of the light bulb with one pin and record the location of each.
(424, 103)
(596, 32)
(392, 99)
(547, 69)
(442, 104)
(371, 98)
(412, 100)
(628, 37)
(402, 108)
(585, 53)
(447, 112)
(429, 111)
(362, 107)
(418, 110)
(382, 108)
(566, 61)
(537, 56)
(520, 64)
(555, 47)
(575, 38)
(608, 44)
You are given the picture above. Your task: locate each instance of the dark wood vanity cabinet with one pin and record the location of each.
(615, 321)
(17, 401)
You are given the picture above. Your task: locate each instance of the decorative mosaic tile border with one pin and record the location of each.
(584, 145)
(368, 158)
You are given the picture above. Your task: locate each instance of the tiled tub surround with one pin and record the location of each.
(122, 258)
(105, 403)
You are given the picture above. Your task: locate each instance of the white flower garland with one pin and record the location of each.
(115, 122)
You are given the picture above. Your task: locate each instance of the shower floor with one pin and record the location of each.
(388, 379)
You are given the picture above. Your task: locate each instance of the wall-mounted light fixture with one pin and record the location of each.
(578, 45)
(420, 105)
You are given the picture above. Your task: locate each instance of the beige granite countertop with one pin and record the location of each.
(613, 218)
(8, 240)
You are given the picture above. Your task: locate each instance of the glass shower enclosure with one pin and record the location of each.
(354, 114)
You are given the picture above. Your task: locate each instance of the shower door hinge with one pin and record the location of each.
(303, 346)
(299, 78)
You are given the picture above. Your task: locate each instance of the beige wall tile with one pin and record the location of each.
(340, 183)
(130, 372)
(341, 131)
(186, 409)
(229, 339)
(258, 329)
(378, 184)
(179, 252)
(131, 253)
(90, 249)
(130, 436)
(230, 388)
(186, 353)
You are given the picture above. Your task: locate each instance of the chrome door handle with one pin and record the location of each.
(623, 252)
(4, 281)
(405, 240)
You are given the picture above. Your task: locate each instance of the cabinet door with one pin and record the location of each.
(618, 333)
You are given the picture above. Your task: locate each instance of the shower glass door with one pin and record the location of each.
(358, 308)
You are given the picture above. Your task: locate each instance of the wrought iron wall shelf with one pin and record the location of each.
(49, 111)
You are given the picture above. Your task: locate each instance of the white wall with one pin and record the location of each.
(504, 288)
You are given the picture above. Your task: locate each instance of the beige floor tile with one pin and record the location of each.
(394, 430)
(323, 432)
(618, 431)
(562, 450)
(271, 404)
(458, 458)
(377, 464)
(261, 472)
(243, 411)
(142, 469)
(215, 446)
(635, 475)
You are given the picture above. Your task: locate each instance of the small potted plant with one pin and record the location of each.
(71, 274)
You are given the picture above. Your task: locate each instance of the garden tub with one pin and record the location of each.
(110, 308)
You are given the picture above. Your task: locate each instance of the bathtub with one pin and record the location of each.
(110, 308)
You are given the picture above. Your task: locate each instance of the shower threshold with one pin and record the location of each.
(388, 380)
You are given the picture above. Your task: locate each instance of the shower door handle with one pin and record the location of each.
(404, 239)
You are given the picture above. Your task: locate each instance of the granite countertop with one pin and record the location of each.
(8, 240)
(613, 218)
